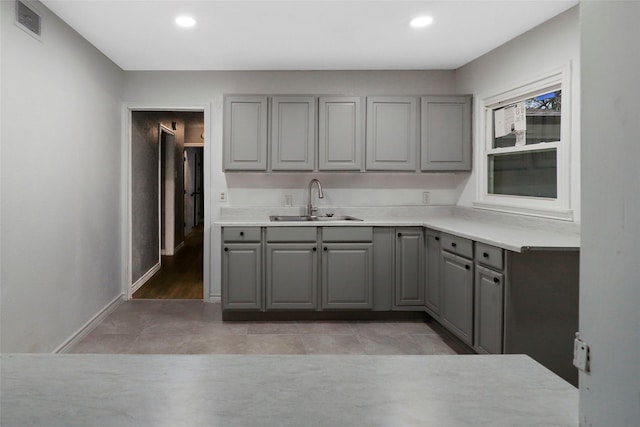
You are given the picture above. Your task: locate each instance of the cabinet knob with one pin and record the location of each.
(496, 280)
(325, 249)
(226, 249)
(437, 239)
(242, 233)
(486, 255)
(468, 267)
(399, 234)
(453, 244)
(315, 249)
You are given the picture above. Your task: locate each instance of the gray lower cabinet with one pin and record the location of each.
(293, 133)
(340, 133)
(292, 276)
(456, 275)
(392, 133)
(242, 276)
(409, 287)
(347, 275)
(446, 133)
(245, 133)
(489, 290)
(432, 292)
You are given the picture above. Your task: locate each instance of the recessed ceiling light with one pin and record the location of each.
(185, 21)
(421, 21)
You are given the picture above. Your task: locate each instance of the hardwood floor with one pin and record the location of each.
(180, 276)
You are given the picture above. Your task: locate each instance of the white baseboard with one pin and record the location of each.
(90, 325)
(146, 276)
(177, 249)
(215, 298)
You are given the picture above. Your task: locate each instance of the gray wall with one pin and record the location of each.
(610, 271)
(61, 120)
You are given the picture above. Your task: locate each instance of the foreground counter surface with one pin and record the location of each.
(212, 390)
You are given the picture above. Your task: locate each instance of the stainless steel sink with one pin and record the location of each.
(302, 218)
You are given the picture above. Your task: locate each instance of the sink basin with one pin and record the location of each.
(302, 218)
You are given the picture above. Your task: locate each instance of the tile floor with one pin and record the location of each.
(195, 327)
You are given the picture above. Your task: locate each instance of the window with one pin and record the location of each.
(524, 163)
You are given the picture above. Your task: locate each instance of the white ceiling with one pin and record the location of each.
(300, 34)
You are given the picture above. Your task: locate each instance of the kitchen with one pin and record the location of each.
(206, 89)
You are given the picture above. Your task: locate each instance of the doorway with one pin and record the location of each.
(167, 189)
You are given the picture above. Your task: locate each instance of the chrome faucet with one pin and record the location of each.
(310, 209)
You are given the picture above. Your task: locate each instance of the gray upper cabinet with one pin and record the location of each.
(245, 133)
(293, 133)
(446, 133)
(340, 133)
(392, 133)
(409, 267)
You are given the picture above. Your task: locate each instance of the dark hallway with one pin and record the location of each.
(180, 276)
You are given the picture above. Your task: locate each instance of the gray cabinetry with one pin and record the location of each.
(392, 133)
(242, 268)
(340, 133)
(291, 268)
(409, 288)
(488, 311)
(489, 299)
(347, 268)
(456, 275)
(245, 133)
(432, 293)
(293, 130)
(446, 133)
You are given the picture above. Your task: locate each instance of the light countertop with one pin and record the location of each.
(237, 390)
(512, 232)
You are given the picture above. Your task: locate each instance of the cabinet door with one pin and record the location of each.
(446, 133)
(432, 283)
(245, 133)
(488, 311)
(242, 276)
(347, 275)
(293, 130)
(409, 267)
(392, 133)
(457, 296)
(340, 125)
(292, 276)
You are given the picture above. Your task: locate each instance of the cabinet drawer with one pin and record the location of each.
(291, 234)
(241, 234)
(457, 245)
(489, 255)
(347, 234)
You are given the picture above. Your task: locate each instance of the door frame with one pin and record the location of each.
(126, 193)
(168, 222)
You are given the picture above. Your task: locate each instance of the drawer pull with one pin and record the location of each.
(453, 244)
(242, 233)
(325, 249)
(399, 234)
(315, 249)
(437, 239)
(468, 267)
(496, 280)
(226, 249)
(486, 255)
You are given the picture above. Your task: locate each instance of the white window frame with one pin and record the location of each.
(558, 208)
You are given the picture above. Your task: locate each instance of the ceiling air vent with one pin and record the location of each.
(28, 19)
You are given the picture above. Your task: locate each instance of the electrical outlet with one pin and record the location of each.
(426, 197)
(223, 196)
(288, 200)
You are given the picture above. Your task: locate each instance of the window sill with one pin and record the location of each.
(558, 214)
